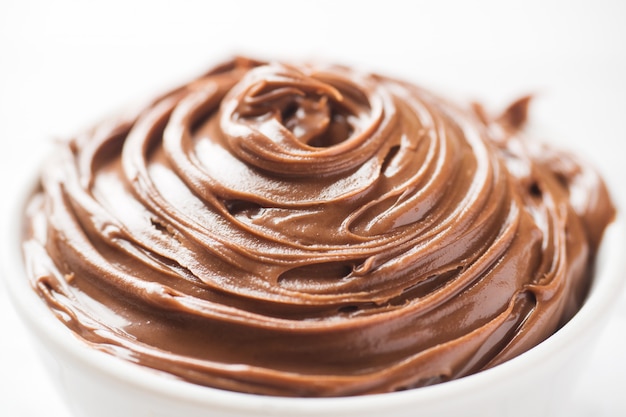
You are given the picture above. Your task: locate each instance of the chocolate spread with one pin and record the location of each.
(310, 230)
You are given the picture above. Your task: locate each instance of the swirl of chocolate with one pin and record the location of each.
(313, 231)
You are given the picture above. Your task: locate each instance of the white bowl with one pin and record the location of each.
(536, 383)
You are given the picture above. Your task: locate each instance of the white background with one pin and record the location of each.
(66, 64)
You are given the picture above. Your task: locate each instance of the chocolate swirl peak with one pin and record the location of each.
(307, 230)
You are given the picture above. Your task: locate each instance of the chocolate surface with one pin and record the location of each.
(309, 230)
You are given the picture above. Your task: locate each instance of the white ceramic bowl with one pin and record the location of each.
(95, 384)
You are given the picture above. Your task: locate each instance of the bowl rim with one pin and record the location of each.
(37, 317)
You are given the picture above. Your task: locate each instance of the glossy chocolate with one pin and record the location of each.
(308, 230)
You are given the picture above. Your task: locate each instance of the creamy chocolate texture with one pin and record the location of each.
(309, 230)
